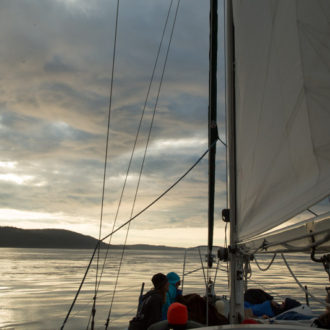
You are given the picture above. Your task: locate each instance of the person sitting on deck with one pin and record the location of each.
(177, 319)
(172, 293)
(258, 303)
(150, 307)
(323, 321)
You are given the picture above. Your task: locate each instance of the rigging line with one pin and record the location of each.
(226, 101)
(265, 269)
(315, 214)
(261, 247)
(122, 315)
(183, 269)
(145, 151)
(193, 271)
(125, 314)
(137, 135)
(116, 283)
(88, 301)
(226, 246)
(203, 268)
(142, 211)
(206, 287)
(200, 268)
(162, 195)
(301, 286)
(223, 142)
(226, 134)
(104, 295)
(107, 143)
(81, 284)
(216, 271)
(89, 320)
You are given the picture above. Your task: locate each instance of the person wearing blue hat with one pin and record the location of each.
(172, 293)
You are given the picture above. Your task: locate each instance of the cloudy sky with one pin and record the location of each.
(55, 70)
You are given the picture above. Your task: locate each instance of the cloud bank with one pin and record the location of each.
(55, 66)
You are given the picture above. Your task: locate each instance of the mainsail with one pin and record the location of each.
(278, 106)
(282, 96)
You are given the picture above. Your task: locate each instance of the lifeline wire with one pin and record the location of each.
(301, 286)
(144, 157)
(81, 284)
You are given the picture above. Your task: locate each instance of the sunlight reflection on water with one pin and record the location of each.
(38, 286)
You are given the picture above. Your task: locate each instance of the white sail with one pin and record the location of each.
(282, 62)
(302, 237)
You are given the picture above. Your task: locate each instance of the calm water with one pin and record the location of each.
(38, 286)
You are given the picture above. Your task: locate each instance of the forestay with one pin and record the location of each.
(282, 57)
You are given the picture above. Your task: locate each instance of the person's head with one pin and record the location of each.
(177, 316)
(174, 279)
(160, 282)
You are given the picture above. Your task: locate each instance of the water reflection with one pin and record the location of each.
(38, 286)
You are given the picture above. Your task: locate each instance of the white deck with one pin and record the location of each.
(258, 326)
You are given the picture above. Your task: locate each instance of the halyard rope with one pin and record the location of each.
(105, 160)
(265, 269)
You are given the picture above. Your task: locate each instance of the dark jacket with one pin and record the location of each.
(323, 321)
(149, 311)
(164, 325)
(197, 310)
(256, 296)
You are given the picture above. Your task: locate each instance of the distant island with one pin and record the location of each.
(59, 239)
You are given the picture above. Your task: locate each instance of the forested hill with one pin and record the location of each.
(55, 238)
(44, 238)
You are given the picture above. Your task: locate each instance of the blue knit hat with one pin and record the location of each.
(173, 278)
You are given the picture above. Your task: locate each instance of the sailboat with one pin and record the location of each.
(278, 136)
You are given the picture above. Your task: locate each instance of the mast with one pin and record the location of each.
(236, 259)
(212, 120)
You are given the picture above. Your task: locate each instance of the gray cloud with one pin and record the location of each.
(58, 65)
(55, 72)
